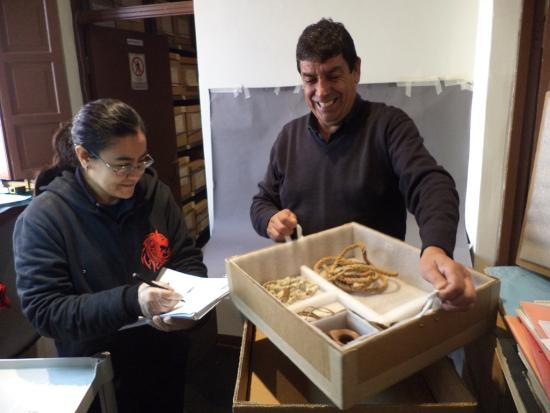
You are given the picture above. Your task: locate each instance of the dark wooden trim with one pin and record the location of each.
(135, 12)
(10, 213)
(229, 341)
(523, 132)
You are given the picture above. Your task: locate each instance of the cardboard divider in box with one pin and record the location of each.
(189, 215)
(393, 342)
(267, 381)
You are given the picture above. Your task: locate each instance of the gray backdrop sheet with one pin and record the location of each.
(244, 129)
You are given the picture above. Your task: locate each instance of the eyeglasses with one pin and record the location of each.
(125, 170)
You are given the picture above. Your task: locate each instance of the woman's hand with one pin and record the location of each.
(154, 301)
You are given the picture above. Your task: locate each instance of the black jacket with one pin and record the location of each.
(74, 259)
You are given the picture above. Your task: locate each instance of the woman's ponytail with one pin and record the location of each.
(64, 158)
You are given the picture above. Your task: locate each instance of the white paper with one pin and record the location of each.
(200, 294)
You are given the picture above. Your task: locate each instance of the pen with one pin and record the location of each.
(151, 283)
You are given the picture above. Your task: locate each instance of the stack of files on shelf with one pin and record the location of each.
(190, 217)
(201, 213)
(531, 329)
(185, 176)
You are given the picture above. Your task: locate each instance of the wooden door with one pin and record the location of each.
(110, 53)
(34, 96)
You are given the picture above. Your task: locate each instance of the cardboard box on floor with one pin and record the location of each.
(267, 381)
(349, 373)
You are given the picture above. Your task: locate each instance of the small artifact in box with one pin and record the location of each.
(353, 344)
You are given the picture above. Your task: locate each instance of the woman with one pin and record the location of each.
(100, 216)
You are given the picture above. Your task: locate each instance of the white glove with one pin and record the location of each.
(168, 324)
(154, 301)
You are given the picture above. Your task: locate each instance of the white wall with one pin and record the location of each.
(69, 54)
(252, 43)
(492, 112)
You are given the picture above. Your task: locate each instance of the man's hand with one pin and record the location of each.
(168, 324)
(281, 224)
(154, 301)
(450, 278)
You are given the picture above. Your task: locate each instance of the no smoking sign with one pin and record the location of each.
(138, 71)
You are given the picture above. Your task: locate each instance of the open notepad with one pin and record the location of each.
(200, 295)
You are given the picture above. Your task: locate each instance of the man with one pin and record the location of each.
(354, 160)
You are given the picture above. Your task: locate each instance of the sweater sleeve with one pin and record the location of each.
(185, 256)
(267, 201)
(428, 189)
(47, 293)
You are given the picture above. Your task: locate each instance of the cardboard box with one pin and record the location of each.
(198, 175)
(179, 120)
(188, 119)
(348, 374)
(194, 137)
(131, 25)
(201, 212)
(177, 90)
(188, 211)
(267, 381)
(189, 73)
(164, 25)
(175, 74)
(182, 26)
(193, 118)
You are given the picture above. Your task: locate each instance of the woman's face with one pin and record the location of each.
(100, 173)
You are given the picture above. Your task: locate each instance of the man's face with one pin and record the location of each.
(329, 90)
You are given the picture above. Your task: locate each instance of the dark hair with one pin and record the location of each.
(325, 39)
(96, 125)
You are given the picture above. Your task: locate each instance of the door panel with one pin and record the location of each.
(110, 77)
(34, 96)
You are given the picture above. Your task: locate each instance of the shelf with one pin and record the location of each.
(186, 148)
(182, 52)
(195, 196)
(186, 102)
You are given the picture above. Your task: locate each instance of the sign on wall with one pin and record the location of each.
(138, 71)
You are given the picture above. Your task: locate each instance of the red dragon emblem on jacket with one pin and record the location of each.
(156, 251)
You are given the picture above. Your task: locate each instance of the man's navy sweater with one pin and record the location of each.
(369, 171)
